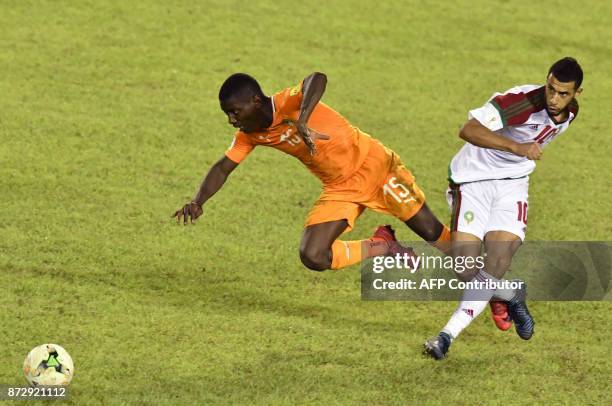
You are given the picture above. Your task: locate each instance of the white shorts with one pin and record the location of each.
(489, 205)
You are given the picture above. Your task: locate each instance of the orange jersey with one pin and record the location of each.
(336, 159)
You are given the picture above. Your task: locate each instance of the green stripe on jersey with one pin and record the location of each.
(500, 111)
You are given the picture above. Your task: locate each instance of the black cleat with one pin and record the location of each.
(519, 313)
(438, 346)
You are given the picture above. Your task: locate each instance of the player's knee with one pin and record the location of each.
(498, 265)
(315, 259)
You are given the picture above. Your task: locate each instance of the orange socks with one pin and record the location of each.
(346, 253)
(443, 242)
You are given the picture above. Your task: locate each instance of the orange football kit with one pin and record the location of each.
(356, 170)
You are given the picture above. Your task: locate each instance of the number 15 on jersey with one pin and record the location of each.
(398, 191)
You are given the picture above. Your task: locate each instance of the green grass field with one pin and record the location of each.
(109, 119)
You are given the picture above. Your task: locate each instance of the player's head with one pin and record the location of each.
(562, 84)
(241, 99)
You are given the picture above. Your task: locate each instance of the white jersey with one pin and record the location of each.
(519, 114)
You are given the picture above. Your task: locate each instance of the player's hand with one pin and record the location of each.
(190, 212)
(308, 135)
(529, 150)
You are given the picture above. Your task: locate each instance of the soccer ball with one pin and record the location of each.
(48, 365)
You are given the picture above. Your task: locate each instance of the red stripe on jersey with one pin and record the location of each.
(505, 101)
(515, 108)
(545, 134)
(542, 133)
(550, 134)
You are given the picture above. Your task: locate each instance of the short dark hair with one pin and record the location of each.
(239, 84)
(567, 70)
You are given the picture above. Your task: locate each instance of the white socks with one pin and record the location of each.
(473, 302)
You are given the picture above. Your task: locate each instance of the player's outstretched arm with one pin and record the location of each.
(479, 135)
(313, 89)
(214, 180)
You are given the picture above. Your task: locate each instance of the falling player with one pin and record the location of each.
(489, 189)
(357, 171)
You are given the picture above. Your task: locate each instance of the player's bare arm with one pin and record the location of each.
(479, 135)
(214, 180)
(313, 89)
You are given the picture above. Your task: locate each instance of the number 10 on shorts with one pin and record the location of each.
(398, 191)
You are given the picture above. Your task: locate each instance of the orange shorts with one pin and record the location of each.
(382, 184)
